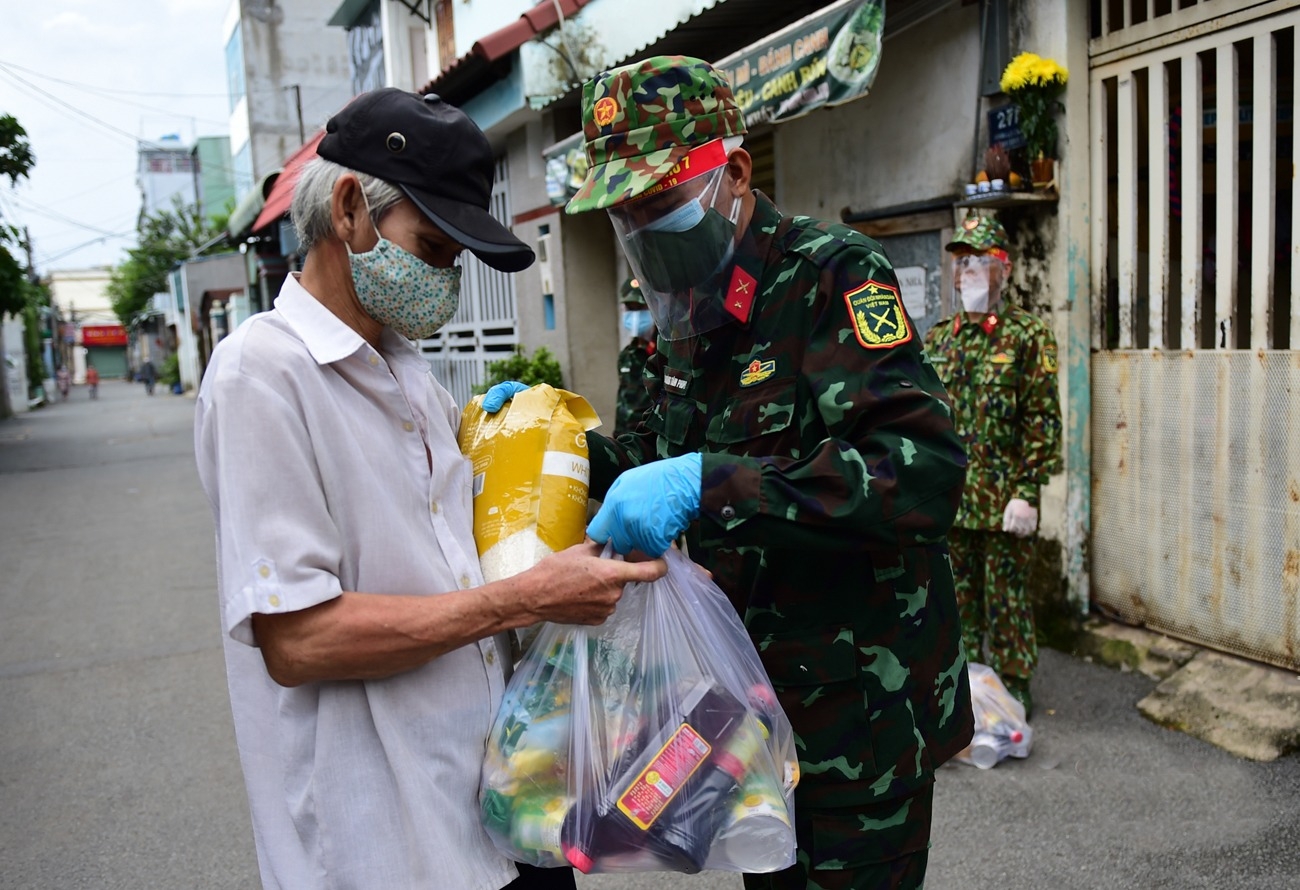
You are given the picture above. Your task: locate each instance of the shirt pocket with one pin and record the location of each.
(672, 418)
(817, 680)
(998, 385)
(767, 411)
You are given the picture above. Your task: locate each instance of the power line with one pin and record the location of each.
(94, 88)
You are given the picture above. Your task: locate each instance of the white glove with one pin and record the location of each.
(1019, 518)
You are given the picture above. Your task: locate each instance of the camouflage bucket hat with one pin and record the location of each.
(630, 292)
(980, 233)
(641, 120)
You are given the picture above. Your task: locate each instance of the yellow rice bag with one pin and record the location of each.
(531, 476)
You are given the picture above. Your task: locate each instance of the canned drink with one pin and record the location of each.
(988, 750)
(535, 828)
(757, 836)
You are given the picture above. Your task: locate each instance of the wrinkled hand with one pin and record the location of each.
(499, 394)
(1019, 518)
(647, 507)
(579, 586)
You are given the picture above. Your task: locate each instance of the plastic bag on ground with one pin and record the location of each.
(651, 743)
(1001, 730)
(531, 475)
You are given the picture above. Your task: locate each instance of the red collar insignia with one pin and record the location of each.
(989, 323)
(740, 294)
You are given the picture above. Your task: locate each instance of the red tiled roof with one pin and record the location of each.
(504, 41)
(277, 203)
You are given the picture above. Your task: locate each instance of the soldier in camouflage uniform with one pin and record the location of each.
(633, 397)
(805, 446)
(998, 363)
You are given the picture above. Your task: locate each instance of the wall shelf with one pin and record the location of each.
(1001, 200)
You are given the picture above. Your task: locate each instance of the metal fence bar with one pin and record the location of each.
(1263, 191)
(1191, 138)
(1158, 200)
(1226, 162)
(1128, 190)
(1100, 214)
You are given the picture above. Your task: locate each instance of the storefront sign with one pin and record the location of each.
(825, 59)
(103, 335)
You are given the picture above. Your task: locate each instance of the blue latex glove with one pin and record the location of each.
(647, 507)
(496, 397)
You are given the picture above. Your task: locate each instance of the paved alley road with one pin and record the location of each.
(117, 759)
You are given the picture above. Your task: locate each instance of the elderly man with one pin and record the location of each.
(366, 658)
(802, 442)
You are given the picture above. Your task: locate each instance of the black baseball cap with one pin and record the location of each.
(437, 156)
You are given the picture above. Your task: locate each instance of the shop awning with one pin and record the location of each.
(281, 196)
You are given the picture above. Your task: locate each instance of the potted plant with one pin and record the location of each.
(1035, 85)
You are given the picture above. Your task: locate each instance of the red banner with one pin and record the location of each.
(103, 335)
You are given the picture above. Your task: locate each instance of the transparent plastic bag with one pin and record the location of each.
(1001, 730)
(651, 743)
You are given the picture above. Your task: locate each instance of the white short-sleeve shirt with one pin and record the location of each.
(311, 448)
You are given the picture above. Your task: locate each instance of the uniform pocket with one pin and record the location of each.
(766, 410)
(816, 678)
(671, 418)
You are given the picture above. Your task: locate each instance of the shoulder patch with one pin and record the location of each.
(879, 321)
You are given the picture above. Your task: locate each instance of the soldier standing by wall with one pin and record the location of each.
(999, 365)
(633, 397)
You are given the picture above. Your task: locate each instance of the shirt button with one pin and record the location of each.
(374, 359)
(264, 571)
(274, 601)
(433, 507)
(491, 657)
(464, 581)
(728, 512)
(408, 426)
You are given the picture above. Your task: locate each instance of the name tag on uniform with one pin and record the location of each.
(675, 381)
(1002, 358)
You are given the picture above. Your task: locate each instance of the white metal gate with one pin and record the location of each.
(1196, 322)
(484, 327)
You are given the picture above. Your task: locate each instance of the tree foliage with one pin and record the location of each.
(164, 239)
(542, 367)
(16, 160)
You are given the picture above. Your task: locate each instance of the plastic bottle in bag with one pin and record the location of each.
(988, 749)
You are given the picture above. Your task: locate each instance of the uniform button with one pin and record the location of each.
(374, 360)
(464, 581)
(408, 426)
(264, 571)
(274, 601)
(728, 512)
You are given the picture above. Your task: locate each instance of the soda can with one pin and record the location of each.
(757, 836)
(535, 829)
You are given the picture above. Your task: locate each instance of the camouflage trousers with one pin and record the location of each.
(881, 846)
(989, 571)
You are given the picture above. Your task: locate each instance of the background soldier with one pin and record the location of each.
(633, 397)
(999, 365)
(801, 436)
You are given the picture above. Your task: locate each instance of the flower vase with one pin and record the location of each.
(1043, 172)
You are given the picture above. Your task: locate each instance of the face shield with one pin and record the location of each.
(978, 282)
(679, 242)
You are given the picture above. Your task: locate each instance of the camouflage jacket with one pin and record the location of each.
(831, 474)
(633, 398)
(1001, 376)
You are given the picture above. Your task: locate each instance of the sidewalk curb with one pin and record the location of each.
(1248, 709)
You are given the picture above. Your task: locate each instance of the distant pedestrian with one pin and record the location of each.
(92, 380)
(148, 375)
(64, 379)
(633, 396)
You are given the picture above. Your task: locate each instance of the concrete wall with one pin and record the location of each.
(287, 43)
(86, 291)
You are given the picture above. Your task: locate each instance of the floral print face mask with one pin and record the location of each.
(398, 289)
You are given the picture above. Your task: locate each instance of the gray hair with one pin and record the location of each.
(312, 195)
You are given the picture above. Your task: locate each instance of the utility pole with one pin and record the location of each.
(297, 101)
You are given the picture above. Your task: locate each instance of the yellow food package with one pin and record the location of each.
(531, 475)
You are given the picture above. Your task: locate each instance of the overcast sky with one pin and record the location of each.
(86, 79)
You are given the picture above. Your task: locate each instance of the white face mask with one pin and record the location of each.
(974, 289)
